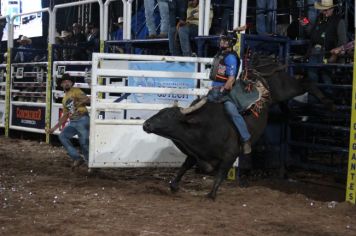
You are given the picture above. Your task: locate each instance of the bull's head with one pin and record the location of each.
(164, 121)
(171, 122)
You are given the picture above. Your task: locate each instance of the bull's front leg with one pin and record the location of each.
(187, 165)
(219, 177)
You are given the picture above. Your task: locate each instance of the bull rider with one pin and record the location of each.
(224, 71)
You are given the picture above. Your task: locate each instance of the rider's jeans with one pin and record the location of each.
(218, 96)
(78, 127)
(237, 119)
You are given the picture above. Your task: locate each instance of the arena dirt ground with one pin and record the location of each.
(41, 195)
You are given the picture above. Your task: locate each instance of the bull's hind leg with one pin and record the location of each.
(316, 92)
(219, 177)
(187, 165)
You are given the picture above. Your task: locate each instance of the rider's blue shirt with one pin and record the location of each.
(232, 66)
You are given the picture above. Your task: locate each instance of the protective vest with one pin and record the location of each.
(325, 34)
(218, 70)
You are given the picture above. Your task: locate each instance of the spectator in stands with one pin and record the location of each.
(177, 9)
(118, 29)
(228, 10)
(66, 40)
(58, 52)
(189, 28)
(312, 11)
(87, 31)
(78, 36)
(23, 56)
(79, 40)
(328, 32)
(150, 19)
(266, 19)
(93, 42)
(74, 108)
(117, 33)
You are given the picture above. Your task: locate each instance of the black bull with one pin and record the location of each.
(209, 138)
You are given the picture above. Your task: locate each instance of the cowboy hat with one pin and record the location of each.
(64, 34)
(65, 76)
(24, 39)
(324, 4)
(120, 20)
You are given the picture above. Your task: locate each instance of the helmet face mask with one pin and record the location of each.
(230, 37)
(224, 43)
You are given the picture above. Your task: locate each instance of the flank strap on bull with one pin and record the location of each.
(255, 78)
(264, 96)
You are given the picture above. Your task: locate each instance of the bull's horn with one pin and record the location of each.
(175, 103)
(194, 107)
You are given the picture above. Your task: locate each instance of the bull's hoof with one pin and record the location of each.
(243, 182)
(211, 196)
(174, 187)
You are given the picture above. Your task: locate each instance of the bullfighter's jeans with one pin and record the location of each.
(78, 127)
(237, 119)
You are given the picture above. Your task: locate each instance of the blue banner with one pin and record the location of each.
(162, 82)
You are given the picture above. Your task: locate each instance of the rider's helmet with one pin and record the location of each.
(229, 36)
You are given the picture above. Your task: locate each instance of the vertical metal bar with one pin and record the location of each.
(207, 17)
(236, 13)
(129, 15)
(93, 115)
(90, 9)
(104, 29)
(83, 8)
(51, 35)
(243, 13)
(79, 14)
(125, 19)
(102, 25)
(8, 78)
(53, 25)
(201, 18)
(49, 92)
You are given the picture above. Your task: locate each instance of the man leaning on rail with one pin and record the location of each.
(74, 107)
